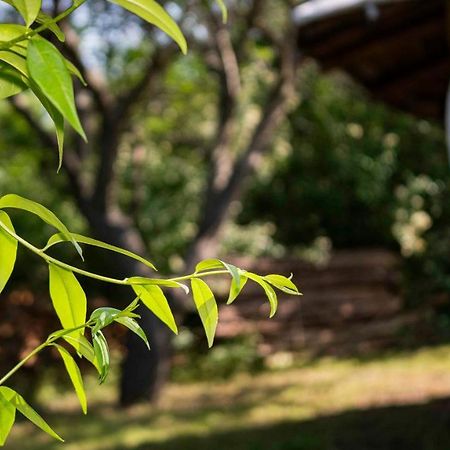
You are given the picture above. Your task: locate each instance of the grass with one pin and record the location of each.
(392, 402)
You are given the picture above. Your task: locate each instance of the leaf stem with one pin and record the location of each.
(39, 348)
(200, 275)
(124, 282)
(23, 361)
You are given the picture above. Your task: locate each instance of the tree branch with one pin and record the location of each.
(276, 108)
(118, 120)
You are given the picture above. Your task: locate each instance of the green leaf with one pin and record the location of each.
(133, 326)
(206, 306)
(68, 297)
(8, 250)
(7, 417)
(11, 83)
(9, 31)
(271, 295)
(83, 347)
(155, 14)
(15, 60)
(56, 117)
(211, 264)
(74, 71)
(28, 9)
(21, 405)
(155, 300)
(53, 27)
(136, 281)
(237, 281)
(74, 375)
(101, 351)
(105, 315)
(236, 288)
(17, 202)
(282, 283)
(48, 69)
(57, 238)
(208, 264)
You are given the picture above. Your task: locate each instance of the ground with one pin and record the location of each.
(398, 401)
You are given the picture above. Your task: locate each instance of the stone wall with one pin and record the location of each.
(351, 305)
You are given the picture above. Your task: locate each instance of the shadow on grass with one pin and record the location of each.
(412, 427)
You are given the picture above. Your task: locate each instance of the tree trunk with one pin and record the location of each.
(143, 372)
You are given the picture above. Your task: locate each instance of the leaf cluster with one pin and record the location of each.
(30, 61)
(84, 335)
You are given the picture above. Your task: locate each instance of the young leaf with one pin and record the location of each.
(57, 238)
(7, 418)
(21, 405)
(155, 300)
(68, 297)
(15, 201)
(271, 295)
(101, 351)
(133, 326)
(207, 307)
(106, 315)
(155, 14)
(282, 283)
(48, 69)
(8, 250)
(74, 375)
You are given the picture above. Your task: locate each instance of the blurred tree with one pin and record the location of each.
(357, 174)
(250, 70)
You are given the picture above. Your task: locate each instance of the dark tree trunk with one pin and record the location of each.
(143, 372)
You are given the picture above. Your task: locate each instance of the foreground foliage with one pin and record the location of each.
(70, 303)
(29, 61)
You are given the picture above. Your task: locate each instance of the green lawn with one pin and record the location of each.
(400, 402)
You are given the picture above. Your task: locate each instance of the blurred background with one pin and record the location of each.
(299, 137)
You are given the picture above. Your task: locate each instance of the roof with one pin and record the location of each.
(314, 10)
(398, 49)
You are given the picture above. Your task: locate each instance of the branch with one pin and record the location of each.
(118, 120)
(218, 202)
(220, 156)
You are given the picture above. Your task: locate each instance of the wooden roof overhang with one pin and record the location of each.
(398, 49)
